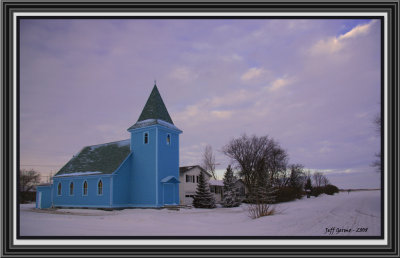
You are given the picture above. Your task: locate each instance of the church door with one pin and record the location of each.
(169, 194)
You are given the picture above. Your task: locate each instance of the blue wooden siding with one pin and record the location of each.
(122, 183)
(43, 197)
(168, 164)
(78, 199)
(144, 161)
(137, 181)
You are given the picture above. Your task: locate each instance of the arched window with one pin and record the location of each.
(59, 189)
(71, 188)
(146, 138)
(85, 188)
(100, 188)
(168, 139)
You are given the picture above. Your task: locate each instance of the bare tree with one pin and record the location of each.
(325, 181)
(28, 179)
(257, 158)
(276, 162)
(208, 161)
(297, 176)
(318, 179)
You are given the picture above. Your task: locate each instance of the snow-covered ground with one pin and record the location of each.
(305, 217)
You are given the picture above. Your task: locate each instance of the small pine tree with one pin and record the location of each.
(230, 198)
(266, 194)
(265, 191)
(203, 197)
(264, 197)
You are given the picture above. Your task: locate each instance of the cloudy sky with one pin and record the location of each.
(312, 85)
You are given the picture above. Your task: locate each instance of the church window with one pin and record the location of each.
(85, 188)
(59, 189)
(100, 188)
(168, 139)
(71, 188)
(146, 138)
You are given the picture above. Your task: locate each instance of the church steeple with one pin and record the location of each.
(155, 148)
(155, 107)
(154, 112)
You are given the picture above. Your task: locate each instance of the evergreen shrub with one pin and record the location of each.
(328, 189)
(286, 194)
(203, 197)
(331, 189)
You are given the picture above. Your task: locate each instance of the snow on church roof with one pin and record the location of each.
(80, 174)
(149, 122)
(103, 158)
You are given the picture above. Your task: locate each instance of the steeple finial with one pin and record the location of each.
(155, 82)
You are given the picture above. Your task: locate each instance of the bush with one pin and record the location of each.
(260, 210)
(246, 200)
(328, 189)
(331, 189)
(286, 194)
(316, 191)
(27, 197)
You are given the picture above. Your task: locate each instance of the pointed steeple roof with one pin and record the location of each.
(154, 112)
(155, 108)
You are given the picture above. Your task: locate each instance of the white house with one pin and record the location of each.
(189, 177)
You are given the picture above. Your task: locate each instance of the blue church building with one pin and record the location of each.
(142, 171)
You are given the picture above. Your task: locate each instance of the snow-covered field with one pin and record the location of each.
(305, 217)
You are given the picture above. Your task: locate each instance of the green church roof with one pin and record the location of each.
(155, 108)
(102, 158)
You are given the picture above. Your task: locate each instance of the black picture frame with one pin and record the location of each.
(10, 249)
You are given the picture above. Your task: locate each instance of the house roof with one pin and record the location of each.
(97, 159)
(216, 182)
(154, 108)
(221, 182)
(185, 169)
